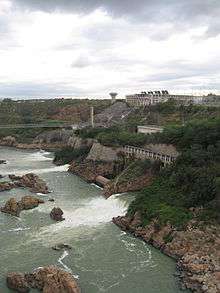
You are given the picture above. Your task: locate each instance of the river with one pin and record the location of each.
(103, 258)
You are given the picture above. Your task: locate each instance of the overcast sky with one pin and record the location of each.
(91, 47)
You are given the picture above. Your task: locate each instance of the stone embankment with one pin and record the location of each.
(196, 249)
(49, 279)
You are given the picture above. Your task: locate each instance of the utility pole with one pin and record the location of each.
(92, 116)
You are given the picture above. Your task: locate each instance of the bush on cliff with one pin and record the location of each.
(68, 154)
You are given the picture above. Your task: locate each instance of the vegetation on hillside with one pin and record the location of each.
(193, 180)
(68, 154)
(49, 111)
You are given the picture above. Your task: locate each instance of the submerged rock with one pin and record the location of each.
(57, 214)
(49, 279)
(61, 246)
(51, 199)
(14, 208)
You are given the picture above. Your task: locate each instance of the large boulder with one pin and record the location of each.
(49, 279)
(57, 214)
(12, 207)
(2, 161)
(17, 282)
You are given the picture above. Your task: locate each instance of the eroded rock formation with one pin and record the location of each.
(14, 207)
(31, 180)
(49, 279)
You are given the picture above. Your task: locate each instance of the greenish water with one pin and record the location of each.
(103, 258)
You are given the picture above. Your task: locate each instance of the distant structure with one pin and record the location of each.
(92, 116)
(148, 129)
(113, 96)
(155, 97)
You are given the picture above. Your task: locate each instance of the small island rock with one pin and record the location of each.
(57, 214)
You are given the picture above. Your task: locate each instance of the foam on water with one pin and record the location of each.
(95, 212)
(63, 168)
(39, 156)
(18, 229)
(60, 260)
(99, 187)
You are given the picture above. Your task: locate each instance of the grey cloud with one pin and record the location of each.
(182, 13)
(32, 89)
(81, 61)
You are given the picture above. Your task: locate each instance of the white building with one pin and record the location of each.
(148, 129)
(155, 97)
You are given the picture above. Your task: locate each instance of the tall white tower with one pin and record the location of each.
(113, 96)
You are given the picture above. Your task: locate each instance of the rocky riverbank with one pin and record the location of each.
(196, 249)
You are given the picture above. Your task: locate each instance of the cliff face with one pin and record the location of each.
(101, 161)
(90, 170)
(54, 136)
(136, 184)
(99, 152)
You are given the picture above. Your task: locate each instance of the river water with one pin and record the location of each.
(103, 258)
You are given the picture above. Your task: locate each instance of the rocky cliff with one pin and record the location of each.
(100, 152)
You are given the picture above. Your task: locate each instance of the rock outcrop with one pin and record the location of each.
(196, 250)
(34, 182)
(49, 279)
(54, 136)
(14, 207)
(8, 141)
(115, 113)
(99, 152)
(17, 282)
(5, 186)
(135, 184)
(31, 180)
(89, 170)
(57, 214)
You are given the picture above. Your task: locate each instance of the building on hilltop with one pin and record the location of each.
(154, 97)
(148, 129)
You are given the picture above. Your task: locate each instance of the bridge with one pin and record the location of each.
(142, 153)
(40, 125)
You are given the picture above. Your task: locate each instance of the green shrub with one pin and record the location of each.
(68, 154)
